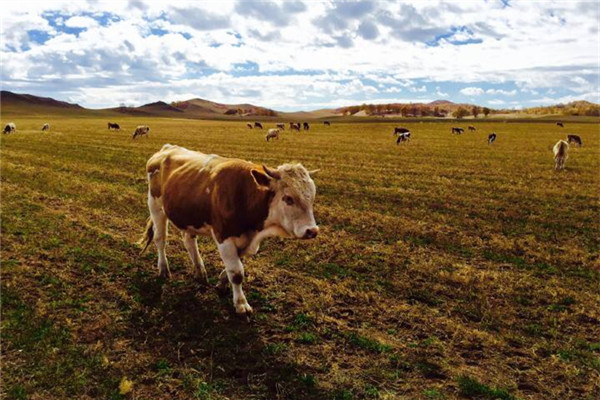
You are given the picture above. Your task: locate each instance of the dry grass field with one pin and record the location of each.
(445, 268)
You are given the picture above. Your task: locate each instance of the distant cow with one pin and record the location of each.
(281, 126)
(295, 126)
(327, 123)
(141, 130)
(306, 126)
(258, 125)
(400, 131)
(560, 124)
(237, 202)
(113, 126)
(574, 139)
(561, 150)
(46, 127)
(472, 128)
(492, 138)
(9, 128)
(458, 131)
(403, 137)
(272, 134)
(249, 126)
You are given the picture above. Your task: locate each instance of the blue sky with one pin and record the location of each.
(303, 55)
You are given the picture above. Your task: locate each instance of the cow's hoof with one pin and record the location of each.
(166, 275)
(202, 277)
(243, 308)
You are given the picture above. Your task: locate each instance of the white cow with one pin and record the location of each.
(273, 134)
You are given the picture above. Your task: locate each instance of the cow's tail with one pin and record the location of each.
(148, 235)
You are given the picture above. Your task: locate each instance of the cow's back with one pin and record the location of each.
(200, 189)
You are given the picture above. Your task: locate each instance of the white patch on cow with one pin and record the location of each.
(160, 222)
(207, 190)
(234, 269)
(254, 245)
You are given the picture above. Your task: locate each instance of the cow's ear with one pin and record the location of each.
(260, 178)
(313, 172)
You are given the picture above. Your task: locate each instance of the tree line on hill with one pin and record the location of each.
(415, 110)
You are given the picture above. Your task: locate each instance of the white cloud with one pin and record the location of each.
(439, 93)
(496, 102)
(81, 22)
(501, 92)
(472, 91)
(360, 42)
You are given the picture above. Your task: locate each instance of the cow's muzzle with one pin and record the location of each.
(311, 233)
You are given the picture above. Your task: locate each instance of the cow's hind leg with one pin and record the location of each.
(235, 273)
(191, 245)
(159, 219)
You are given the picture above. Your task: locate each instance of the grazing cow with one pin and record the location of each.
(559, 123)
(574, 139)
(114, 126)
(458, 131)
(9, 128)
(272, 134)
(249, 126)
(400, 131)
(258, 125)
(46, 127)
(561, 149)
(306, 126)
(295, 127)
(141, 130)
(491, 137)
(237, 202)
(403, 137)
(281, 126)
(471, 128)
(327, 123)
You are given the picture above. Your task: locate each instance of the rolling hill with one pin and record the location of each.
(196, 108)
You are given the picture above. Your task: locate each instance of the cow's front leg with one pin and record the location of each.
(235, 273)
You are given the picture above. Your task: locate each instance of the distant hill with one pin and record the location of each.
(206, 108)
(29, 104)
(196, 108)
(27, 99)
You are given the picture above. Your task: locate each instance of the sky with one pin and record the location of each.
(302, 54)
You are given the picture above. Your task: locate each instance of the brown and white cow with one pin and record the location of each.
(561, 153)
(141, 130)
(272, 134)
(237, 202)
(281, 126)
(46, 127)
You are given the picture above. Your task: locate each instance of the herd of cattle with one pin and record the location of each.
(236, 202)
(561, 148)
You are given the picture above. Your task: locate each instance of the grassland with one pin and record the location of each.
(445, 269)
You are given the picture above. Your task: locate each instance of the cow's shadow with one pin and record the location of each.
(187, 323)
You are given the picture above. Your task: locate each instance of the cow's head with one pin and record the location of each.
(292, 204)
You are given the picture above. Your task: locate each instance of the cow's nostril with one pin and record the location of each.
(311, 233)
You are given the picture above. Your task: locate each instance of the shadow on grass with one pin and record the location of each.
(192, 325)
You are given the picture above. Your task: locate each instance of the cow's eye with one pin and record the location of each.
(288, 200)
